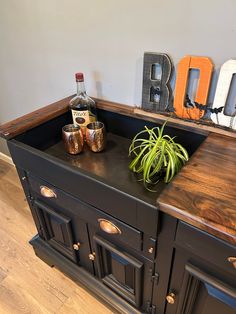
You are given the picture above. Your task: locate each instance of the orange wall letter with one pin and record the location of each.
(205, 66)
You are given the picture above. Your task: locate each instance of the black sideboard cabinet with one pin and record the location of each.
(153, 263)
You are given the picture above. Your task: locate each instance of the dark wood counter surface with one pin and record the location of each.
(30, 120)
(204, 193)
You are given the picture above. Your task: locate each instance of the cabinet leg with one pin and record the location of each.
(44, 258)
(40, 253)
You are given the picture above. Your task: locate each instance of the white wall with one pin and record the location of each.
(44, 42)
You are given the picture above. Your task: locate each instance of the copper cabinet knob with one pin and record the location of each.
(150, 250)
(76, 246)
(47, 192)
(108, 227)
(170, 298)
(232, 259)
(92, 256)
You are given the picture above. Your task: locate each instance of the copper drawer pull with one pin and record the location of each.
(47, 192)
(232, 259)
(108, 226)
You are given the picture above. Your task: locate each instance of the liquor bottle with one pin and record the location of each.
(82, 107)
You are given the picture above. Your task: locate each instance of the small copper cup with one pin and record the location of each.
(96, 136)
(72, 137)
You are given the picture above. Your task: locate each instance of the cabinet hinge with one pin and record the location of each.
(150, 309)
(30, 199)
(155, 278)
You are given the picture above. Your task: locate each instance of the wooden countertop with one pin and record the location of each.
(31, 120)
(203, 194)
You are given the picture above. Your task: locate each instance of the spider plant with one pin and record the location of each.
(156, 156)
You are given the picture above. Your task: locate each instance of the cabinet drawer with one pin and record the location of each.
(46, 191)
(126, 234)
(113, 228)
(207, 247)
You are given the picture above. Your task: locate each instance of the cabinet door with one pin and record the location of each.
(209, 293)
(56, 230)
(195, 291)
(127, 275)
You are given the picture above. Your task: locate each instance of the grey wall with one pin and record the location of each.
(43, 42)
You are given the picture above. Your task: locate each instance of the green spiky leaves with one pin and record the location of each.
(156, 156)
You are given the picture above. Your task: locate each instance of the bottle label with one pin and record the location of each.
(82, 118)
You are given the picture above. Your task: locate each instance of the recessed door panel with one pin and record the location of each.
(56, 229)
(207, 293)
(118, 270)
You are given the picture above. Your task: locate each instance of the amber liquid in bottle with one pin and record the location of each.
(82, 107)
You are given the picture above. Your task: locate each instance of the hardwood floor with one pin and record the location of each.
(23, 289)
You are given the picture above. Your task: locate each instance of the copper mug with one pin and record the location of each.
(95, 136)
(72, 137)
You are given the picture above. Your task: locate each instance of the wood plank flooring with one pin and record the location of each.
(23, 289)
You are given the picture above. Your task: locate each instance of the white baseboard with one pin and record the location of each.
(6, 158)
